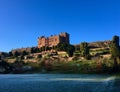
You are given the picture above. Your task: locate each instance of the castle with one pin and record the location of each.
(53, 40)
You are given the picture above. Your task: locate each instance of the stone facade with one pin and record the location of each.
(53, 40)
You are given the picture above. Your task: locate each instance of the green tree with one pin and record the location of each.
(70, 50)
(39, 56)
(115, 51)
(46, 48)
(62, 47)
(66, 47)
(34, 50)
(84, 50)
(23, 53)
(6, 66)
(115, 48)
(10, 54)
(16, 54)
(43, 48)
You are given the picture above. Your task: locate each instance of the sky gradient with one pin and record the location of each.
(23, 21)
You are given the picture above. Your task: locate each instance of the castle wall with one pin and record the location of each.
(53, 40)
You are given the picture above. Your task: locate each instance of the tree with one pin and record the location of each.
(47, 48)
(5, 66)
(10, 54)
(84, 50)
(66, 47)
(39, 56)
(115, 48)
(115, 51)
(62, 47)
(23, 53)
(16, 54)
(34, 50)
(43, 48)
(70, 50)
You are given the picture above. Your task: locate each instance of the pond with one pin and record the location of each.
(59, 83)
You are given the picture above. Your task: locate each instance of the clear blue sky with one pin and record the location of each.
(22, 21)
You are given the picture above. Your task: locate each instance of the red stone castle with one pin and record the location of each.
(53, 40)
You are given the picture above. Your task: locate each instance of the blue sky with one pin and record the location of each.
(23, 21)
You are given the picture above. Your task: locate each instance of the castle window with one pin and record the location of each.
(55, 39)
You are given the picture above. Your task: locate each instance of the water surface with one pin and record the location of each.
(59, 83)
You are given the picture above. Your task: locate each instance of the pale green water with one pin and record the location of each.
(59, 83)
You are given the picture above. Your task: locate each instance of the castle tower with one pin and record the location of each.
(42, 41)
(64, 37)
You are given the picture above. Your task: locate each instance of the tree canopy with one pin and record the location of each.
(84, 49)
(66, 47)
(115, 53)
(114, 47)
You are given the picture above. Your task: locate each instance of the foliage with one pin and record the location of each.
(16, 54)
(39, 56)
(70, 50)
(84, 50)
(115, 48)
(115, 52)
(3, 64)
(34, 50)
(23, 53)
(10, 54)
(66, 47)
